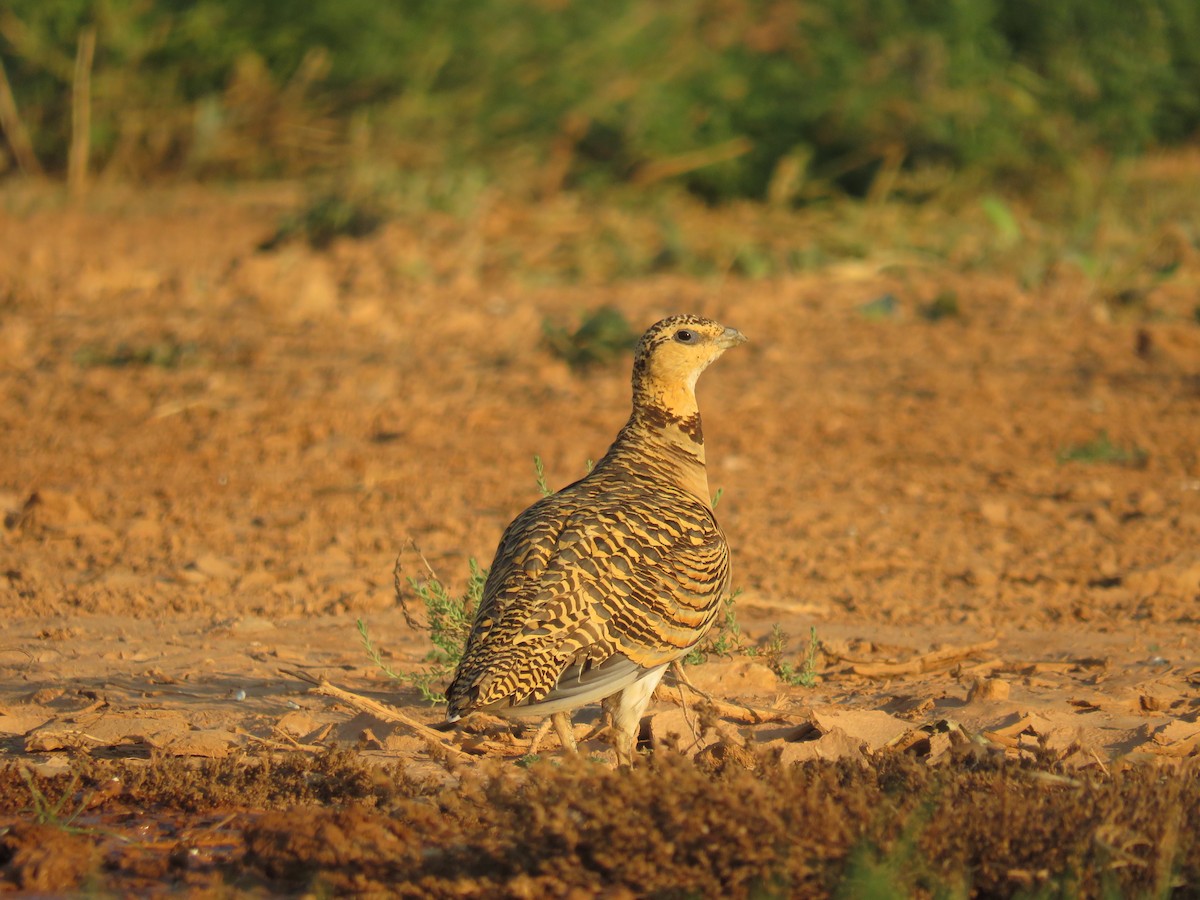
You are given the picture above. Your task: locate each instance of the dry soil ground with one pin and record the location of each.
(211, 456)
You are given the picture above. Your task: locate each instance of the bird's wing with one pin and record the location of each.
(582, 599)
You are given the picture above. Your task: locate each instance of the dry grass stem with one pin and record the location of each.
(381, 711)
(928, 662)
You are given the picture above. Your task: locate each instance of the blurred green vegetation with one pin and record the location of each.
(1102, 450)
(767, 99)
(603, 335)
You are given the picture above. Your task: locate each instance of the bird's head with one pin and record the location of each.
(673, 352)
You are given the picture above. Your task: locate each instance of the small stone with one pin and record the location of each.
(989, 689)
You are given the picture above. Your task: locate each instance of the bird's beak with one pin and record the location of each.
(731, 338)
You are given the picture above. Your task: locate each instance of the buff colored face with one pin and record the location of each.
(682, 353)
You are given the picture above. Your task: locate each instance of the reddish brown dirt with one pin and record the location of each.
(212, 455)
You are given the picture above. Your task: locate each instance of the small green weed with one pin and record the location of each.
(374, 654)
(776, 647)
(602, 337)
(448, 621)
(55, 814)
(449, 618)
(47, 813)
(423, 681)
(808, 672)
(1103, 450)
(540, 468)
(724, 639)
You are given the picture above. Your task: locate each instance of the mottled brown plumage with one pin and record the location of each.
(595, 589)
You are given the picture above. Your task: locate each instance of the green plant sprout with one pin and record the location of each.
(1103, 450)
(540, 468)
(448, 622)
(724, 639)
(46, 813)
(773, 653)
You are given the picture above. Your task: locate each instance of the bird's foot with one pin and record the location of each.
(565, 731)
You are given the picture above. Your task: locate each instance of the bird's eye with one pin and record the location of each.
(684, 336)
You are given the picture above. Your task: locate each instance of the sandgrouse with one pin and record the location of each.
(597, 588)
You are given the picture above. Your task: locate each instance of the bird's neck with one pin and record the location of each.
(663, 438)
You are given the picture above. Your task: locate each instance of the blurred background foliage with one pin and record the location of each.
(771, 100)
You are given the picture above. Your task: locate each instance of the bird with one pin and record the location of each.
(597, 588)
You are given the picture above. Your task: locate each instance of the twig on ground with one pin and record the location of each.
(289, 744)
(928, 662)
(756, 715)
(382, 711)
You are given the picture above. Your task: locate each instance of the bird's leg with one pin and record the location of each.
(626, 709)
(539, 735)
(564, 730)
(622, 743)
(561, 722)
